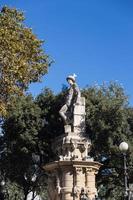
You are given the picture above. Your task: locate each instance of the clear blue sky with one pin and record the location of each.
(92, 38)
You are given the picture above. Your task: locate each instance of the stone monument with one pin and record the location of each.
(72, 175)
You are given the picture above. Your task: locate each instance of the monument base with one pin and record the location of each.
(71, 180)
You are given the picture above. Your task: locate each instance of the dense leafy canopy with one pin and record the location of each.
(22, 146)
(108, 121)
(22, 59)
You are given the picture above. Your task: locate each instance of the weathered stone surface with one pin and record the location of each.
(71, 177)
(75, 171)
(81, 101)
(79, 120)
(79, 116)
(79, 110)
(67, 128)
(79, 129)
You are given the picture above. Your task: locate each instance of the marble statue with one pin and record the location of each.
(73, 93)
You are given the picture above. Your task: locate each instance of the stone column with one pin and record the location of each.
(79, 116)
(79, 181)
(90, 182)
(67, 184)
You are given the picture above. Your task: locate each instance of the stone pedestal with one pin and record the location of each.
(68, 178)
(72, 176)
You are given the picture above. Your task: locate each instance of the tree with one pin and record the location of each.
(21, 151)
(27, 133)
(108, 123)
(22, 59)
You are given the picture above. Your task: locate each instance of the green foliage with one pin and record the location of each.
(108, 123)
(50, 105)
(106, 118)
(14, 191)
(23, 124)
(21, 143)
(22, 59)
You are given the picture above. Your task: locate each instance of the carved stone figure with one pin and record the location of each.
(72, 175)
(73, 93)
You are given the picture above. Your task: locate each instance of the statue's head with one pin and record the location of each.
(71, 79)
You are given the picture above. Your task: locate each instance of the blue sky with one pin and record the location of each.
(92, 38)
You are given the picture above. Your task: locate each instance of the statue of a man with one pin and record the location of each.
(72, 95)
